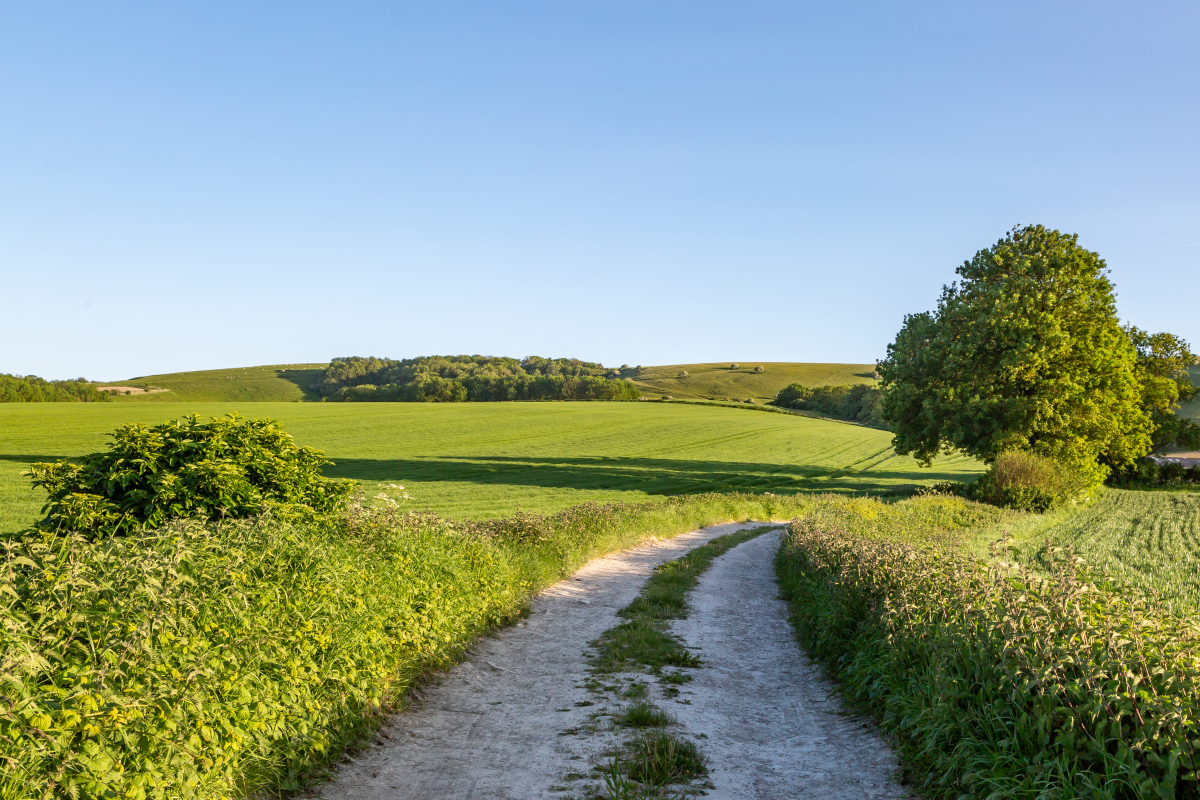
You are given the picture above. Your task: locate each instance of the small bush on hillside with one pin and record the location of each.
(1026, 481)
(683, 373)
(733, 366)
(224, 468)
(758, 369)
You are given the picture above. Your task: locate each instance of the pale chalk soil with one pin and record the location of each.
(515, 721)
(774, 727)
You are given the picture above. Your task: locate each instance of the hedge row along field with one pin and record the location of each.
(223, 660)
(998, 680)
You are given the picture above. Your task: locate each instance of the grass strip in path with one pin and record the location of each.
(656, 757)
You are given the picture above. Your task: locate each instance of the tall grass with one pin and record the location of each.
(222, 660)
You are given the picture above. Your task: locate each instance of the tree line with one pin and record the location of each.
(457, 379)
(861, 403)
(32, 389)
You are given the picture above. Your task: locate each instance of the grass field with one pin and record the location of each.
(718, 381)
(483, 459)
(1150, 539)
(276, 383)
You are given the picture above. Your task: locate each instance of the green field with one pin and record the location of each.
(275, 383)
(1150, 539)
(719, 382)
(484, 459)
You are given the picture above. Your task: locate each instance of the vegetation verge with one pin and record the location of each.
(221, 660)
(997, 679)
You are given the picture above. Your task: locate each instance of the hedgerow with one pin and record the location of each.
(1000, 680)
(223, 659)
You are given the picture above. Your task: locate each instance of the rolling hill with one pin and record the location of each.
(293, 382)
(719, 382)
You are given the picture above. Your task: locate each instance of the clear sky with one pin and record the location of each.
(200, 185)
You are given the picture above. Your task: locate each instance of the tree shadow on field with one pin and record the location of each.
(651, 475)
(306, 380)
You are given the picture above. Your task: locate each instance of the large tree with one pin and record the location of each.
(1024, 352)
(1163, 360)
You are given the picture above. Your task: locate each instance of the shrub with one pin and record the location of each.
(758, 369)
(683, 373)
(1028, 482)
(224, 468)
(733, 366)
(1001, 680)
(860, 403)
(1147, 473)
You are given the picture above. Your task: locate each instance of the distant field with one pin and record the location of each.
(275, 383)
(718, 381)
(1148, 538)
(483, 459)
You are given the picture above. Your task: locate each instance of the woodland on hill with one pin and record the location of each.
(449, 379)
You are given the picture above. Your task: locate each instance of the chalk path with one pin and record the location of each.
(496, 725)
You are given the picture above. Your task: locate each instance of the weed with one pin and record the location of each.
(643, 715)
(657, 758)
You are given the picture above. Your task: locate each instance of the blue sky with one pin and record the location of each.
(191, 186)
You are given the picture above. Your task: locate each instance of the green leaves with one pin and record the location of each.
(1025, 353)
(1001, 680)
(224, 468)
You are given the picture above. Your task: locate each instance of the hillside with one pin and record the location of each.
(272, 383)
(718, 381)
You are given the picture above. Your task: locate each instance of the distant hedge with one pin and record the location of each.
(860, 403)
(32, 389)
(456, 379)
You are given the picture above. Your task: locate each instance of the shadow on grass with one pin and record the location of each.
(650, 475)
(306, 380)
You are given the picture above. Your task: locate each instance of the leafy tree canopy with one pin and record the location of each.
(1162, 366)
(1024, 352)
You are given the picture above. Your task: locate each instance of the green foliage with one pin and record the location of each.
(1148, 474)
(221, 469)
(1027, 482)
(1000, 680)
(1163, 363)
(861, 403)
(455, 379)
(643, 714)
(208, 661)
(32, 389)
(1025, 353)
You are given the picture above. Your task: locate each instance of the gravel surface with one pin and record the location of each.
(774, 727)
(515, 721)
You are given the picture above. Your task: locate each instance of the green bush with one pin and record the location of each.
(860, 403)
(231, 659)
(1001, 681)
(224, 468)
(1028, 482)
(1148, 474)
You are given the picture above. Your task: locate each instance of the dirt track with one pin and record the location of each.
(506, 723)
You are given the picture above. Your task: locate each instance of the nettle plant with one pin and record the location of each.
(227, 467)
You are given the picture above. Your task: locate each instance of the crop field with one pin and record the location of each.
(718, 381)
(1150, 539)
(485, 459)
(275, 383)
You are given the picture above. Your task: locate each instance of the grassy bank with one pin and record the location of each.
(996, 679)
(483, 460)
(203, 662)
